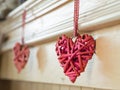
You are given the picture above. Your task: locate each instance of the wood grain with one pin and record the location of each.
(86, 88)
(13, 85)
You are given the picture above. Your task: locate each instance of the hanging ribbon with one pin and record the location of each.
(76, 16)
(23, 25)
(73, 56)
(21, 50)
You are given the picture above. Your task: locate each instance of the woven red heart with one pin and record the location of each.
(74, 56)
(21, 53)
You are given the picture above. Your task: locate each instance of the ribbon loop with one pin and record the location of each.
(23, 26)
(76, 16)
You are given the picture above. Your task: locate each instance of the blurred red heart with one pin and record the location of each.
(74, 56)
(21, 53)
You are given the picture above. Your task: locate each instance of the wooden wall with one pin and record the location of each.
(45, 22)
(19, 85)
(101, 72)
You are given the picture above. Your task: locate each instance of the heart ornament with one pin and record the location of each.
(21, 53)
(73, 56)
(21, 50)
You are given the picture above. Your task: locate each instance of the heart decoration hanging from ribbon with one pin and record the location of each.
(74, 55)
(21, 51)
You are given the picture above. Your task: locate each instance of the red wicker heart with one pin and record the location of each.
(21, 53)
(74, 56)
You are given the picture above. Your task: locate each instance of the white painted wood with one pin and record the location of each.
(16, 85)
(10, 65)
(55, 87)
(3, 67)
(75, 88)
(34, 86)
(107, 50)
(103, 89)
(87, 88)
(47, 87)
(43, 66)
(62, 23)
(40, 86)
(13, 85)
(33, 11)
(40, 67)
(28, 86)
(63, 87)
(22, 86)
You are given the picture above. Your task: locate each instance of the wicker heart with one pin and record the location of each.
(21, 53)
(74, 56)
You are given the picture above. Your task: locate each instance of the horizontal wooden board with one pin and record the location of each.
(13, 85)
(101, 72)
(56, 22)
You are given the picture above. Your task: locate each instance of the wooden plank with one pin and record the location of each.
(63, 87)
(92, 18)
(47, 87)
(40, 86)
(4, 66)
(107, 50)
(87, 88)
(22, 86)
(28, 86)
(75, 88)
(103, 89)
(43, 66)
(44, 63)
(13, 85)
(34, 86)
(55, 87)
(16, 85)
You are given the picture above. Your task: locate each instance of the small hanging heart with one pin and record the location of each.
(21, 53)
(74, 55)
